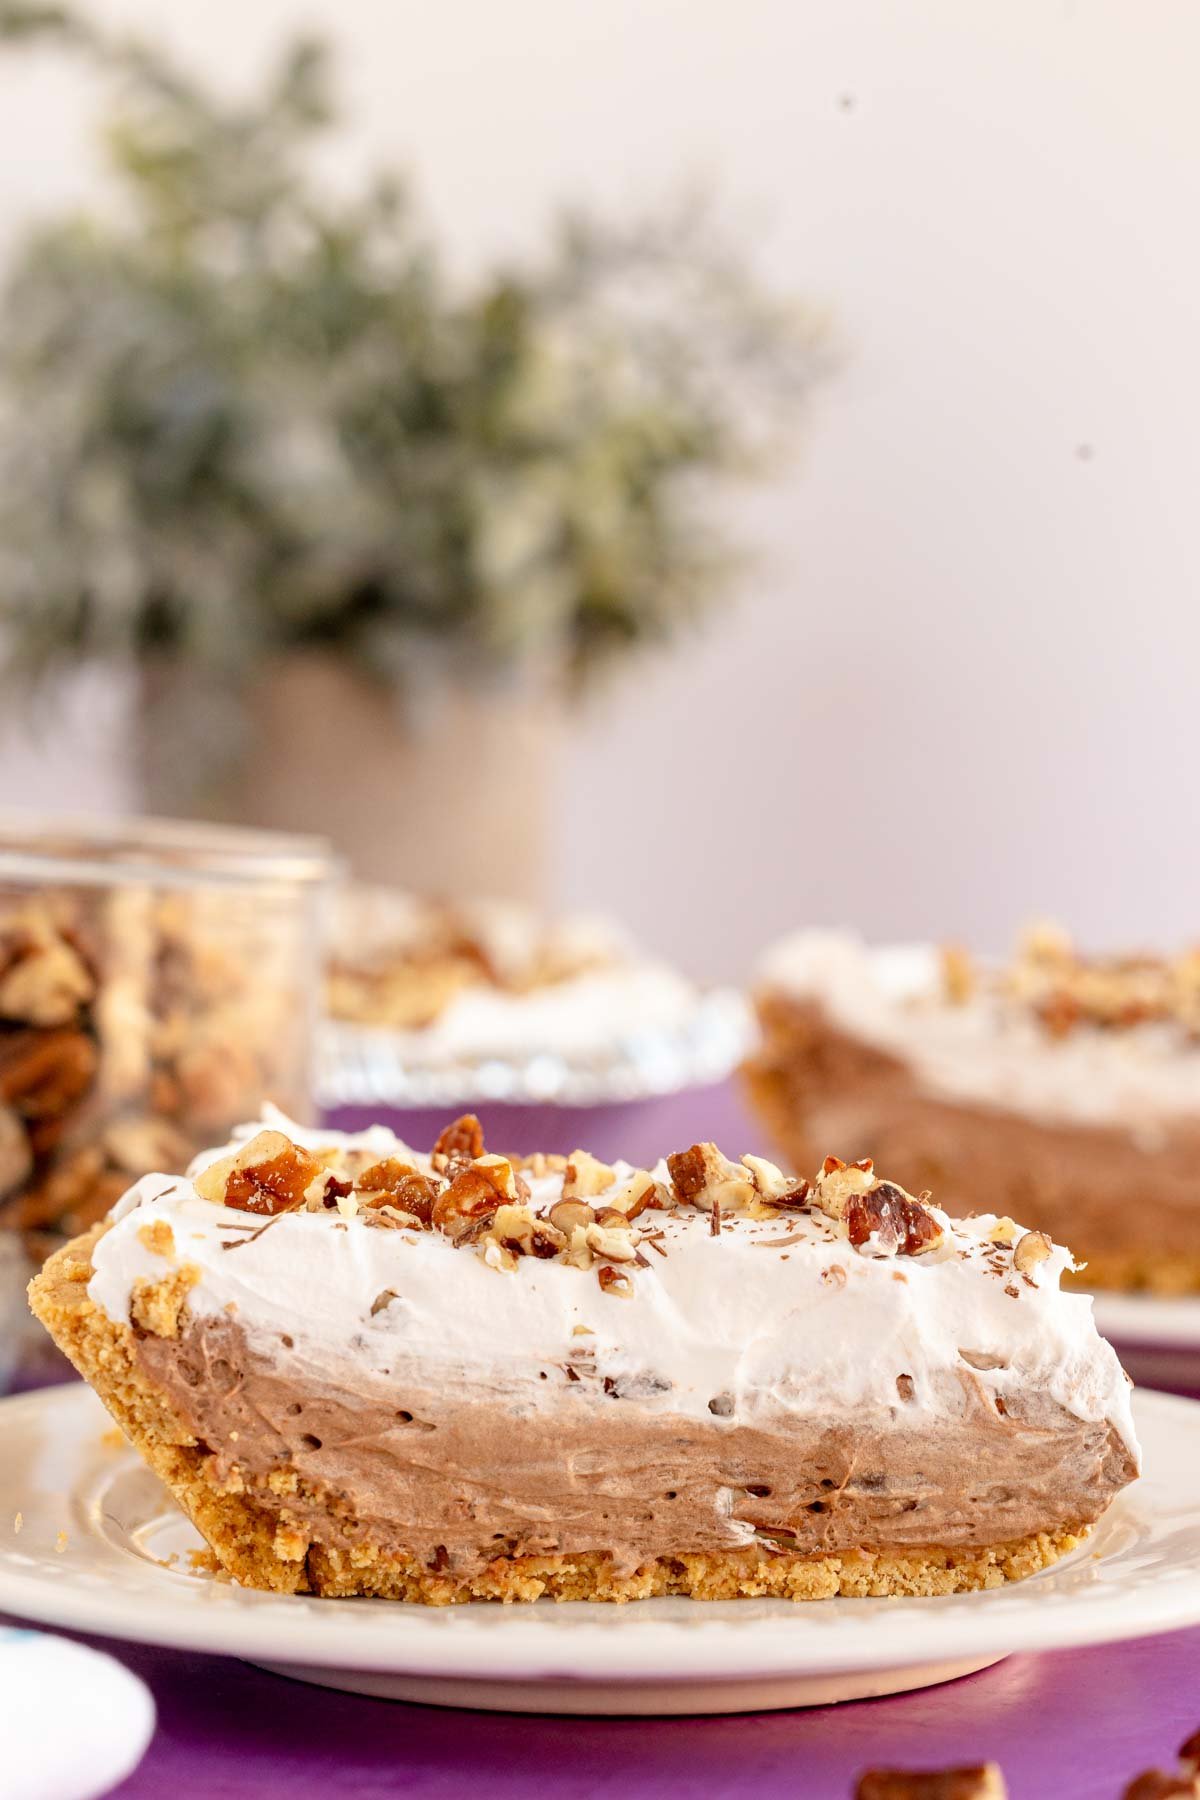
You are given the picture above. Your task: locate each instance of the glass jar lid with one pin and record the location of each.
(48, 849)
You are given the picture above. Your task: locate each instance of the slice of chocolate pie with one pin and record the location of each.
(459, 1375)
(1062, 1088)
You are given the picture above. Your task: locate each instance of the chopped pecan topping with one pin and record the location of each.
(1066, 991)
(545, 1242)
(689, 1171)
(469, 1201)
(702, 1177)
(516, 1228)
(837, 1184)
(615, 1281)
(485, 1201)
(540, 1164)
(270, 1174)
(1030, 1250)
(958, 974)
(638, 1193)
(460, 1142)
(570, 1215)
(586, 1176)
(898, 1224)
(1157, 1784)
(499, 1170)
(617, 1246)
(397, 1184)
(980, 1782)
(773, 1186)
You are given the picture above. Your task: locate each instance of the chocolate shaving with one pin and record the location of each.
(236, 1243)
(777, 1243)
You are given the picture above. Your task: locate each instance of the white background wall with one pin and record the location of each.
(962, 685)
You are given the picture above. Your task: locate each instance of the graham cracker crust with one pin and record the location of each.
(255, 1538)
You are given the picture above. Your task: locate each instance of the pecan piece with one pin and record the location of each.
(1156, 1784)
(982, 1782)
(568, 1215)
(45, 981)
(515, 1228)
(689, 1171)
(703, 1177)
(268, 1175)
(776, 1188)
(615, 1281)
(1030, 1250)
(617, 1245)
(395, 1183)
(465, 1206)
(900, 1224)
(462, 1141)
(958, 974)
(44, 1072)
(586, 1176)
(503, 1175)
(639, 1192)
(1059, 1012)
(837, 1183)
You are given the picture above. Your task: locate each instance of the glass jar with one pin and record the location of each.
(158, 982)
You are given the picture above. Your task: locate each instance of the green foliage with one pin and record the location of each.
(239, 414)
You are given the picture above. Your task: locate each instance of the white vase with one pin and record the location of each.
(450, 794)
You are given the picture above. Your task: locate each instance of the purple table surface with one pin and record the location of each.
(1075, 1725)
(639, 1130)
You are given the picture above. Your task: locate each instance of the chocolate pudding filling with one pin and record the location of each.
(1126, 1200)
(458, 1473)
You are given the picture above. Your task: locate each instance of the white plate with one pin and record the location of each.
(361, 1065)
(121, 1568)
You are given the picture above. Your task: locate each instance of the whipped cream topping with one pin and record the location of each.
(770, 1316)
(984, 1050)
(581, 1018)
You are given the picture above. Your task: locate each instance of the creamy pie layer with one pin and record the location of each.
(1088, 1127)
(580, 1367)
